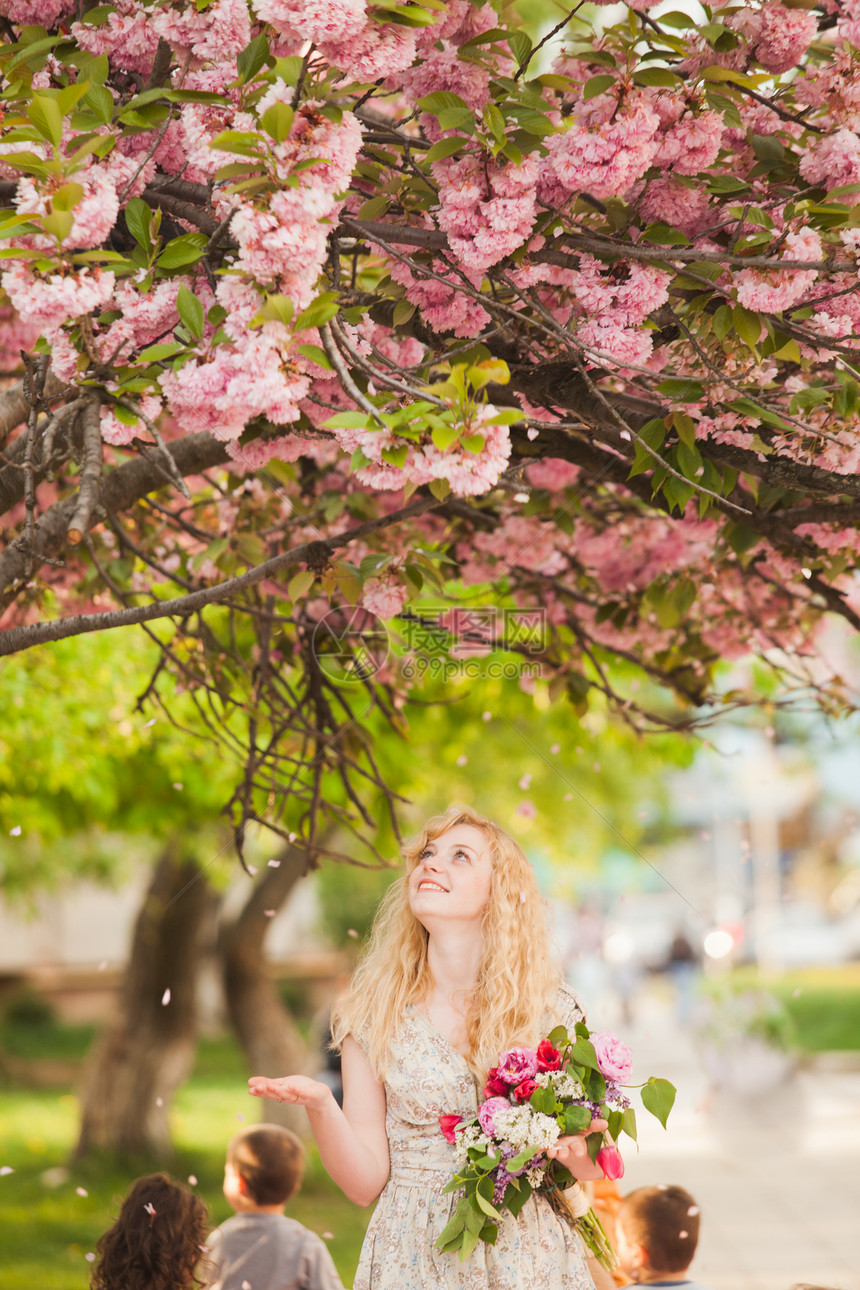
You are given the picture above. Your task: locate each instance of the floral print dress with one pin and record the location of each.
(427, 1077)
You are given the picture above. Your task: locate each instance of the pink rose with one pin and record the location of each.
(523, 1091)
(448, 1123)
(609, 1159)
(488, 1111)
(495, 1085)
(548, 1058)
(614, 1059)
(517, 1064)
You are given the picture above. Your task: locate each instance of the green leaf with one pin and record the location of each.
(317, 355)
(252, 58)
(682, 390)
(518, 1196)
(597, 85)
(657, 76)
(662, 233)
(747, 325)
(183, 250)
(444, 148)
(440, 488)
(277, 121)
(318, 312)
(520, 45)
(440, 100)
(300, 584)
(45, 114)
(190, 311)
(629, 1126)
(100, 100)
(489, 1210)
(452, 1231)
(576, 1119)
(155, 353)
(658, 1097)
(67, 197)
(396, 456)
(444, 435)
(558, 1036)
(583, 1053)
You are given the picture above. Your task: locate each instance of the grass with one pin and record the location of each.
(823, 1003)
(48, 1228)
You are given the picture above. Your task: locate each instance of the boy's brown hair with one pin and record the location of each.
(665, 1222)
(270, 1160)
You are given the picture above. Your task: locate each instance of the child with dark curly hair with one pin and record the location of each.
(656, 1233)
(156, 1241)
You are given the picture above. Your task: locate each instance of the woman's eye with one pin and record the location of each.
(460, 855)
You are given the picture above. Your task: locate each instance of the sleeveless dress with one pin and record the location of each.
(427, 1077)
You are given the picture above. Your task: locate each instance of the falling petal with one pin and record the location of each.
(291, 837)
(159, 1101)
(192, 1178)
(103, 965)
(353, 933)
(328, 1236)
(90, 1257)
(568, 797)
(240, 1116)
(270, 913)
(246, 1285)
(178, 787)
(274, 864)
(6, 1169)
(150, 1209)
(149, 723)
(526, 809)
(81, 1191)
(556, 748)
(522, 897)
(525, 782)
(252, 869)
(682, 1235)
(486, 716)
(531, 433)
(462, 759)
(16, 832)
(694, 1209)
(795, 994)
(597, 768)
(165, 998)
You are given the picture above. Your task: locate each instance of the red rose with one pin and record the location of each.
(548, 1058)
(609, 1159)
(448, 1123)
(523, 1091)
(495, 1085)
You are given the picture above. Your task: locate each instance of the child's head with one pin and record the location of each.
(156, 1241)
(264, 1168)
(657, 1231)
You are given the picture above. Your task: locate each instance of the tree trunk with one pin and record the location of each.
(146, 1052)
(268, 1037)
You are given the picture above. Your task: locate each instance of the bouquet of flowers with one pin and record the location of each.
(532, 1098)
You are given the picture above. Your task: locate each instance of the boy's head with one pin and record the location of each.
(657, 1232)
(264, 1168)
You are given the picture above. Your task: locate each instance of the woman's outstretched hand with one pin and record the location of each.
(572, 1152)
(312, 1094)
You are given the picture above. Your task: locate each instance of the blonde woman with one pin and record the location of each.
(458, 969)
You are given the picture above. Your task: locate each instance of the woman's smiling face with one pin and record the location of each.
(453, 877)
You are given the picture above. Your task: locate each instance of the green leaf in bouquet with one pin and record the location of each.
(518, 1193)
(658, 1097)
(487, 1162)
(616, 1123)
(594, 1142)
(488, 1233)
(560, 1175)
(558, 1036)
(521, 1158)
(451, 1233)
(583, 1053)
(474, 1218)
(470, 1240)
(629, 1126)
(581, 1030)
(576, 1119)
(595, 1086)
(489, 1210)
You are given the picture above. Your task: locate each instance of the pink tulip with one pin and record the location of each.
(448, 1124)
(609, 1159)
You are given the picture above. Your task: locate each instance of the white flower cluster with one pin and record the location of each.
(535, 1175)
(565, 1085)
(473, 1136)
(523, 1127)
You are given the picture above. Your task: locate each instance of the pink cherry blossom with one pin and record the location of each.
(51, 300)
(784, 37)
(314, 20)
(606, 161)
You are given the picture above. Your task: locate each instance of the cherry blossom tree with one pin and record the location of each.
(319, 313)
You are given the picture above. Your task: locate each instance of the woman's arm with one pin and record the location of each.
(352, 1142)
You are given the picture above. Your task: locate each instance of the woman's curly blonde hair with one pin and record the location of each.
(517, 978)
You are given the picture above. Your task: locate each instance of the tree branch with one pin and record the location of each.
(91, 469)
(15, 639)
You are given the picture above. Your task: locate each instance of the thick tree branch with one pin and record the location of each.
(91, 469)
(15, 639)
